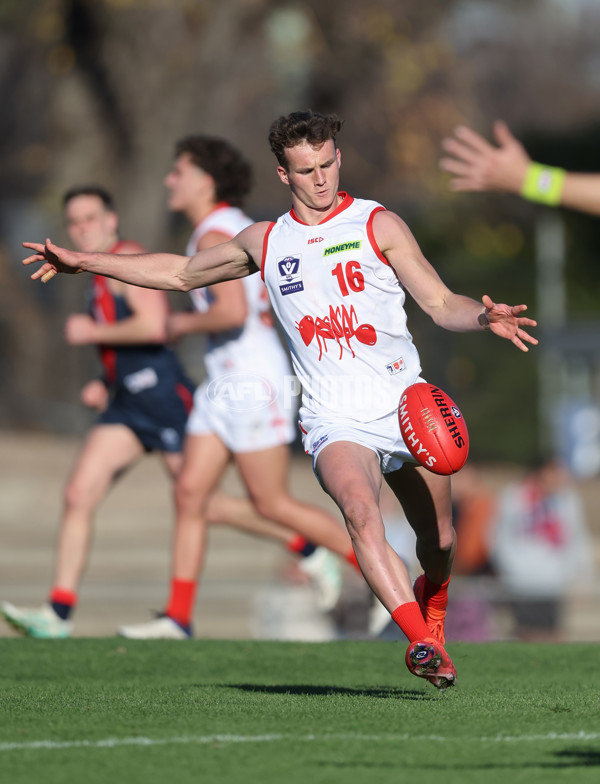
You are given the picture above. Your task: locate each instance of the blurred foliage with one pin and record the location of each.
(99, 90)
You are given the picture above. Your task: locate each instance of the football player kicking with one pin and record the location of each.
(337, 270)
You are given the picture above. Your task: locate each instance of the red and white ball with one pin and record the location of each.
(433, 428)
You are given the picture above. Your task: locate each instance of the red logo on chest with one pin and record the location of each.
(340, 324)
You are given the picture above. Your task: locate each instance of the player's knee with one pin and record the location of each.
(79, 495)
(446, 533)
(187, 492)
(447, 539)
(273, 507)
(438, 537)
(184, 488)
(361, 515)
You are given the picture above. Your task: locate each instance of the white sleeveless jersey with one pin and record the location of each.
(256, 346)
(342, 309)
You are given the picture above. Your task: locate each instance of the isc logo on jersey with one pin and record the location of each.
(290, 274)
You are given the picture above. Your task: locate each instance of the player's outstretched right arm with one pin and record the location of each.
(477, 165)
(237, 258)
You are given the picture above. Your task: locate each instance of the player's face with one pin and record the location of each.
(90, 226)
(313, 174)
(187, 184)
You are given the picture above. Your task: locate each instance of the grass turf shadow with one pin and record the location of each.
(320, 691)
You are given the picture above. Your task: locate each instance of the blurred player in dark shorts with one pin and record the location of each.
(143, 397)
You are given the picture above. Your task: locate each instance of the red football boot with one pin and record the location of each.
(428, 659)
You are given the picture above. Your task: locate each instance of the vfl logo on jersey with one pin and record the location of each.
(395, 367)
(340, 324)
(290, 274)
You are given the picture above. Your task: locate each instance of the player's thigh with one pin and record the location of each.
(351, 475)
(205, 458)
(426, 500)
(107, 451)
(264, 472)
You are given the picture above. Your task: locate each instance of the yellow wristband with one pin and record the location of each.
(543, 184)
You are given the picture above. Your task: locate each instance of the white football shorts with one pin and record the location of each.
(382, 436)
(246, 414)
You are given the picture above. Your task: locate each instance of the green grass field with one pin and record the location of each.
(110, 710)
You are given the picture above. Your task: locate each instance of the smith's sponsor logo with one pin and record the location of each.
(342, 247)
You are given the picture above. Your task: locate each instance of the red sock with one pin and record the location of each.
(409, 618)
(435, 595)
(181, 601)
(351, 558)
(297, 544)
(62, 596)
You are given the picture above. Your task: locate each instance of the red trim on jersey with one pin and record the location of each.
(222, 205)
(343, 205)
(371, 236)
(301, 428)
(105, 312)
(264, 251)
(185, 395)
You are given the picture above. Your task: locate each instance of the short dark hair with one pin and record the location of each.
(226, 165)
(292, 129)
(90, 190)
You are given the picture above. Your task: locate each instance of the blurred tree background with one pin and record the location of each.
(99, 90)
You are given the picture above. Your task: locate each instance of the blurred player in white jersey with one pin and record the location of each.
(239, 411)
(337, 269)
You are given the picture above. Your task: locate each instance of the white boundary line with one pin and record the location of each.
(111, 743)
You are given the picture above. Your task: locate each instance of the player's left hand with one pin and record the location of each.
(54, 259)
(95, 395)
(506, 322)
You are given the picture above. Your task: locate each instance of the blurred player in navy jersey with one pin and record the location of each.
(143, 397)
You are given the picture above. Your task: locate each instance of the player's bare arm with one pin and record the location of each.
(228, 306)
(146, 324)
(231, 260)
(582, 192)
(451, 311)
(228, 310)
(477, 165)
